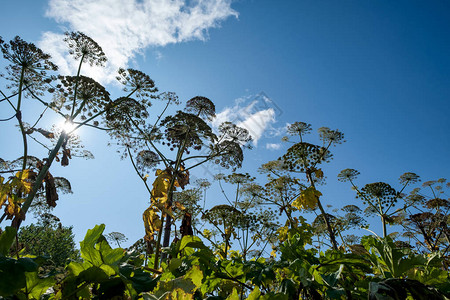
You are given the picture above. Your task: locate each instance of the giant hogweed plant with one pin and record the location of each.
(378, 269)
(241, 221)
(78, 100)
(149, 144)
(291, 193)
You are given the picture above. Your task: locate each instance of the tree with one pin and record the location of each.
(50, 239)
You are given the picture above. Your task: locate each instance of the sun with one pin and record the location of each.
(66, 126)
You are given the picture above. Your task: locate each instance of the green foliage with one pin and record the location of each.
(56, 242)
(229, 259)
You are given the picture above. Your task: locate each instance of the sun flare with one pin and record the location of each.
(66, 126)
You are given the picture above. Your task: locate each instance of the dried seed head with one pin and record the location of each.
(82, 46)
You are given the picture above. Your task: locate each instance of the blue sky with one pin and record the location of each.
(376, 70)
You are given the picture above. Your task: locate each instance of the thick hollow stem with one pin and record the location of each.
(40, 177)
(158, 244)
(325, 216)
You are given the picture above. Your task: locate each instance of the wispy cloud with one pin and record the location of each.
(271, 146)
(257, 114)
(125, 27)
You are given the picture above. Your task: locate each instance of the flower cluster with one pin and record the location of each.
(91, 96)
(382, 192)
(329, 136)
(29, 65)
(202, 107)
(187, 129)
(302, 156)
(348, 175)
(299, 128)
(82, 46)
(137, 82)
(146, 161)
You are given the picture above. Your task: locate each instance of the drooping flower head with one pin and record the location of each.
(29, 59)
(409, 177)
(82, 46)
(228, 149)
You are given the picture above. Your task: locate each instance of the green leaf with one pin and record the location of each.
(191, 242)
(93, 274)
(174, 264)
(7, 239)
(400, 289)
(234, 295)
(76, 268)
(110, 256)
(274, 296)
(255, 294)
(179, 283)
(140, 280)
(331, 279)
(196, 275)
(12, 276)
(37, 286)
(87, 246)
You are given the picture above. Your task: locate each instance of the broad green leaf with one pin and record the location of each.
(174, 264)
(331, 279)
(141, 281)
(181, 294)
(7, 239)
(234, 295)
(255, 294)
(191, 241)
(76, 268)
(171, 285)
(37, 286)
(273, 296)
(93, 274)
(110, 256)
(12, 276)
(87, 246)
(195, 275)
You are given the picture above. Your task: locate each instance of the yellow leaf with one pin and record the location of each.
(282, 233)
(207, 233)
(307, 199)
(273, 253)
(152, 222)
(179, 205)
(181, 294)
(318, 173)
(161, 186)
(22, 180)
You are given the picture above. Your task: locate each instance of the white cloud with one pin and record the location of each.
(252, 114)
(123, 28)
(257, 123)
(273, 146)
